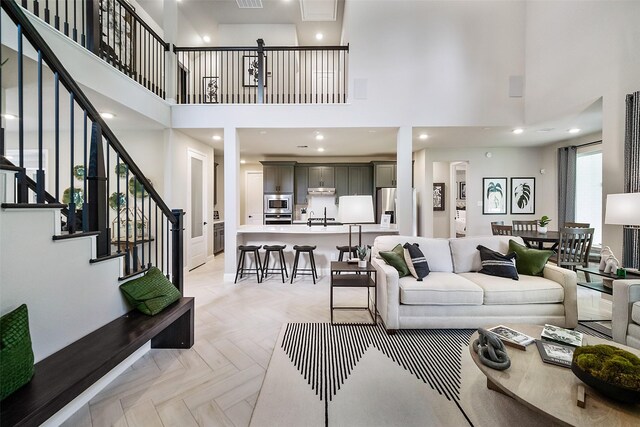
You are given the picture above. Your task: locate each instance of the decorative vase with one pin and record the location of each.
(542, 230)
(362, 263)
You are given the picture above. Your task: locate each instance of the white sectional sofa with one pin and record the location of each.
(454, 295)
(625, 326)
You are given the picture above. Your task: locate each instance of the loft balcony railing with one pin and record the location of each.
(112, 30)
(58, 139)
(262, 74)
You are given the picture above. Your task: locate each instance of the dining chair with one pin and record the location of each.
(573, 248)
(502, 230)
(525, 225)
(577, 224)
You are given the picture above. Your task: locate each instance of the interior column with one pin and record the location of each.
(403, 181)
(170, 26)
(231, 199)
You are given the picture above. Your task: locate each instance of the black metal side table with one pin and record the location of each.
(349, 275)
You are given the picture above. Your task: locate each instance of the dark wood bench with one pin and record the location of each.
(61, 377)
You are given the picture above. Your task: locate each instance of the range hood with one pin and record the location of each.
(321, 191)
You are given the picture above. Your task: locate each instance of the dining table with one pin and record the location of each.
(537, 239)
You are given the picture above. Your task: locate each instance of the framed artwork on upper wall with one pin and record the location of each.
(210, 90)
(438, 196)
(462, 191)
(494, 196)
(250, 71)
(523, 196)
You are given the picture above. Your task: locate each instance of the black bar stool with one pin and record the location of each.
(346, 250)
(241, 268)
(283, 265)
(312, 271)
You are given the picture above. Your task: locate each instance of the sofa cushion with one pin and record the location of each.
(436, 251)
(496, 264)
(528, 290)
(395, 258)
(635, 312)
(466, 258)
(529, 261)
(439, 289)
(416, 262)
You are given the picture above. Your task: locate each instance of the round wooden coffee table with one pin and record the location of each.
(553, 390)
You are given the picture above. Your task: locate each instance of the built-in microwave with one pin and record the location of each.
(278, 203)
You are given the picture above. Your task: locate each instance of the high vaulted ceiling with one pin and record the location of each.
(204, 15)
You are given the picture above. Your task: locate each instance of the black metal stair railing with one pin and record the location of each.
(262, 74)
(112, 30)
(90, 160)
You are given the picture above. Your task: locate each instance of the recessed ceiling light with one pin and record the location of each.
(216, 137)
(243, 161)
(9, 116)
(320, 149)
(319, 36)
(518, 131)
(423, 136)
(319, 137)
(206, 39)
(574, 130)
(107, 116)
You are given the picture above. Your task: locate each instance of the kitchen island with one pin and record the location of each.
(325, 238)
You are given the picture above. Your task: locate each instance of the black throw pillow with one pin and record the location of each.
(496, 264)
(417, 263)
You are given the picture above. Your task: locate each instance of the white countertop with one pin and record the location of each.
(315, 229)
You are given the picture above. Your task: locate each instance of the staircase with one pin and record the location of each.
(77, 218)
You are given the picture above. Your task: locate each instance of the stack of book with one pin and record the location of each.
(557, 344)
(511, 337)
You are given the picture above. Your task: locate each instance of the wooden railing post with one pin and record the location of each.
(93, 26)
(261, 72)
(177, 248)
(97, 197)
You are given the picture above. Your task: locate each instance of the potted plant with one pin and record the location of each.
(542, 224)
(361, 251)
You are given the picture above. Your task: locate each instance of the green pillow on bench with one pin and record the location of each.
(16, 354)
(150, 293)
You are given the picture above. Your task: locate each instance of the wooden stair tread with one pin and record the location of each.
(108, 257)
(33, 206)
(76, 235)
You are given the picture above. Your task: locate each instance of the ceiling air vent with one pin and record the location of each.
(249, 4)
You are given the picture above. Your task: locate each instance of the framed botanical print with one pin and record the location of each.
(494, 196)
(210, 90)
(438, 196)
(462, 190)
(523, 196)
(250, 71)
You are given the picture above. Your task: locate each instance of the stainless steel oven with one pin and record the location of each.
(278, 203)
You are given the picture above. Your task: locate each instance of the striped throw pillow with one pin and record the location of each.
(416, 261)
(496, 264)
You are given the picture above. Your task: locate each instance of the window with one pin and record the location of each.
(589, 191)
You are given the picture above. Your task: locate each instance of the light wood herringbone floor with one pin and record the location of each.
(216, 383)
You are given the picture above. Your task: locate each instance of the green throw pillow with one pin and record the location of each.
(530, 262)
(150, 293)
(395, 258)
(16, 354)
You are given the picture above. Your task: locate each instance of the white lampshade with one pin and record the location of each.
(355, 209)
(623, 209)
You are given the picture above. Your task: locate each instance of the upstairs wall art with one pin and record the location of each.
(494, 196)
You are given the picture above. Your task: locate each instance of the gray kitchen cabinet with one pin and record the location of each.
(321, 176)
(385, 175)
(360, 180)
(277, 178)
(341, 174)
(301, 185)
(218, 237)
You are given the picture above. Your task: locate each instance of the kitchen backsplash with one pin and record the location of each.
(316, 206)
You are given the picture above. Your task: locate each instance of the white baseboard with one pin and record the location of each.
(72, 407)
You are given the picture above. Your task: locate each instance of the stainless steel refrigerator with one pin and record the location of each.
(386, 204)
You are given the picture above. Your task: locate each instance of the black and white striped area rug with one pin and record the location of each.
(326, 354)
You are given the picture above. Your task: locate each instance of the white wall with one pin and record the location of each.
(247, 34)
(577, 52)
(504, 162)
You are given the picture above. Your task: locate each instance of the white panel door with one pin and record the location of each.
(253, 198)
(197, 214)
